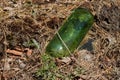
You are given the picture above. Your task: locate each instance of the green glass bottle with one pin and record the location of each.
(71, 33)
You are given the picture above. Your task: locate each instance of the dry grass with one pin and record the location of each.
(22, 21)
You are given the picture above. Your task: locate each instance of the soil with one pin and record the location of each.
(27, 26)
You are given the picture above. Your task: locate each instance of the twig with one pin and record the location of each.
(62, 40)
(5, 54)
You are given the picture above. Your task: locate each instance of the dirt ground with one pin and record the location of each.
(27, 26)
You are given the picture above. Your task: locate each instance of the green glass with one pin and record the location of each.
(71, 33)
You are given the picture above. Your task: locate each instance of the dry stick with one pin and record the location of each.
(5, 42)
(5, 48)
(62, 39)
(63, 42)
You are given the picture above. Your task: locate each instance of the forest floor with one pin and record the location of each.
(27, 26)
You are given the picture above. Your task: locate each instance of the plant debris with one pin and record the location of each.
(27, 26)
